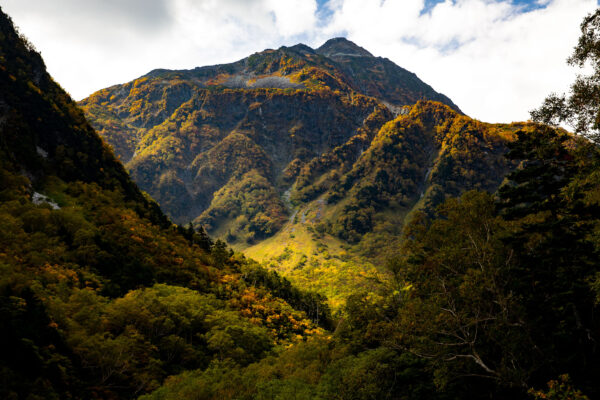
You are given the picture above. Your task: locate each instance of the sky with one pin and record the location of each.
(496, 59)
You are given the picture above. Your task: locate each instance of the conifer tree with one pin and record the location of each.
(554, 256)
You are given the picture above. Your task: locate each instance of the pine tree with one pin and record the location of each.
(554, 255)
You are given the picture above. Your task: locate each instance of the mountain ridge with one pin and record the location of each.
(339, 45)
(244, 149)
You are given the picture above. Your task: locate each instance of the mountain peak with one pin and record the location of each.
(341, 46)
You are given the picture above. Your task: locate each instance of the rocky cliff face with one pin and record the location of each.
(190, 137)
(379, 77)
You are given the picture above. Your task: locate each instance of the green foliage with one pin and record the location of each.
(102, 297)
(311, 370)
(487, 281)
(77, 266)
(44, 132)
(380, 373)
(292, 117)
(211, 138)
(65, 257)
(454, 279)
(551, 199)
(312, 303)
(246, 162)
(558, 390)
(415, 161)
(254, 202)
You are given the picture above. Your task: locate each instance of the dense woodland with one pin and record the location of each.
(492, 292)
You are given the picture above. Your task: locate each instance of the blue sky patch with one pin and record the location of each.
(324, 12)
(525, 5)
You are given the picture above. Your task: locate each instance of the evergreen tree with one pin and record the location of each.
(202, 239)
(555, 257)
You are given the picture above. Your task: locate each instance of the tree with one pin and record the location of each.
(221, 253)
(581, 107)
(197, 236)
(558, 390)
(455, 308)
(555, 248)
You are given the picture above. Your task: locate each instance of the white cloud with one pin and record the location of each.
(494, 60)
(92, 44)
(293, 17)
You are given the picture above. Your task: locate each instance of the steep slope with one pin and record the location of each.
(43, 130)
(348, 216)
(379, 77)
(191, 137)
(100, 295)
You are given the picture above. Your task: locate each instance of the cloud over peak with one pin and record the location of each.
(495, 58)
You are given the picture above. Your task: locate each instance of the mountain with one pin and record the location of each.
(349, 208)
(185, 135)
(101, 296)
(292, 151)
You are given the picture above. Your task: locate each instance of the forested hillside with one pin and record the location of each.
(192, 138)
(492, 297)
(100, 295)
(347, 218)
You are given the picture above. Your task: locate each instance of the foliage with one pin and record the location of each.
(354, 142)
(414, 162)
(100, 295)
(580, 109)
(455, 274)
(559, 389)
(189, 137)
(253, 200)
(311, 370)
(555, 246)
(312, 303)
(501, 289)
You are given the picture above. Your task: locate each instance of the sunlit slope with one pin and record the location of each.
(342, 224)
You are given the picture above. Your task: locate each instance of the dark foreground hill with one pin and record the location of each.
(101, 296)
